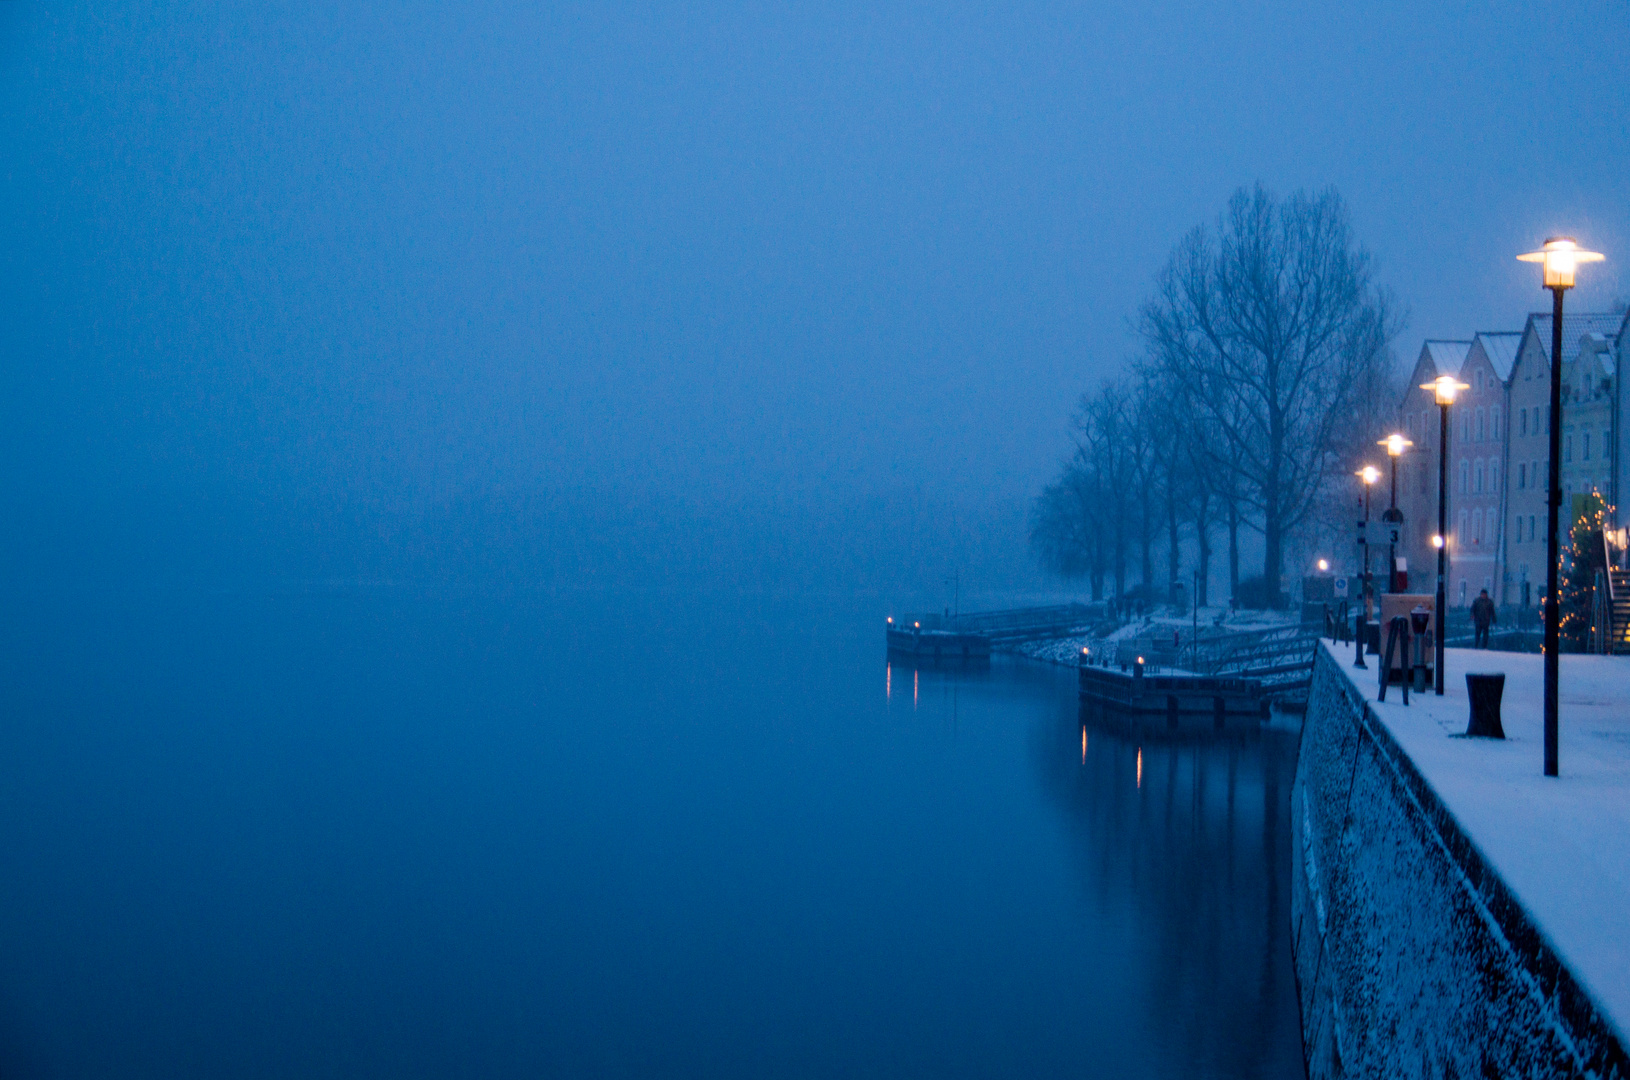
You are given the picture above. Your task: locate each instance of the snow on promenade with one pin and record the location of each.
(1562, 845)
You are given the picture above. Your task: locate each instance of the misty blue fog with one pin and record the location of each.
(456, 463)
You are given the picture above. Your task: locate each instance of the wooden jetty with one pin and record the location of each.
(1175, 700)
(972, 636)
(914, 640)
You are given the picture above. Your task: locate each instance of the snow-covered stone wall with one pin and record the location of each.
(1412, 957)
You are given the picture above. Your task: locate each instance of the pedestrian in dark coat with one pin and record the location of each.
(1483, 616)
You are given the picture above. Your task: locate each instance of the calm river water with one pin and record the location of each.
(386, 833)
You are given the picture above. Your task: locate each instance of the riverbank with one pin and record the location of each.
(1455, 911)
(1067, 650)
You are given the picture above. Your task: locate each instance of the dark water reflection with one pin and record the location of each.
(1192, 835)
(386, 833)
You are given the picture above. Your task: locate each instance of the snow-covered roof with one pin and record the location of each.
(1574, 327)
(1501, 349)
(1447, 357)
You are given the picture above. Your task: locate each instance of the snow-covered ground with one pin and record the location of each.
(1562, 845)
(1068, 650)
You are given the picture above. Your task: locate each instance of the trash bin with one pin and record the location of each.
(1485, 691)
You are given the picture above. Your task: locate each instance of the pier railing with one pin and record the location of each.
(1018, 624)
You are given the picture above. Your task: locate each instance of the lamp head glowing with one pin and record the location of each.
(1444, 388)
(1369, 474)
(1324, 564)
(1437, 541)
(1396, 444)
(1561, 256)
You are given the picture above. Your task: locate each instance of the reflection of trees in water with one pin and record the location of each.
(1197, 854)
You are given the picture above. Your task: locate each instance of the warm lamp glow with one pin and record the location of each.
(1437, 541)
(1324, 564)
(1396, 444)
(1369, 474)
(1561, 256)
(1444, 388)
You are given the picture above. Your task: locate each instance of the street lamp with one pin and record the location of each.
(1396, 445)
(1444, 388)
(1561, 256)
(1369, 474)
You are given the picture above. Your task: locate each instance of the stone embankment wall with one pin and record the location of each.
(1412, 957)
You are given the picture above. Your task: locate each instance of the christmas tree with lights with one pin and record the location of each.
(1583, 558)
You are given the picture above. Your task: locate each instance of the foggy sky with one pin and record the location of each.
(619, 292)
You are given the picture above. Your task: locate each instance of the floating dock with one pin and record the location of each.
(938, 645)
(1175, 700)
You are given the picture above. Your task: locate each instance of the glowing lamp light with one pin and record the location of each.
(1444, 388)
(1437, 541)
(1396, 444)
(1369, 474)
(1324, 564)
(917, 626)
(891, 620)
(1561, 256)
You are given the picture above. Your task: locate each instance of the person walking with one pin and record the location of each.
(1483, 616)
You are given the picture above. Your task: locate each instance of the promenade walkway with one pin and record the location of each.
(1562, 845)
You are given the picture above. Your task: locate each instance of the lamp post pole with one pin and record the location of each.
(1561, 257)
(1442, 598)
(1444, 388)
(1553, 553)
(1368, 475)
(1396, 444)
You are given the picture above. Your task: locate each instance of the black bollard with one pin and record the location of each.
(1485, 692)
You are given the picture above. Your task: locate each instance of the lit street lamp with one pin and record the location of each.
(1444, 388)
(1396, 445)
(1561, 256)
(1369, 474)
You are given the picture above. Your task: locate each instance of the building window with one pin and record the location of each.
(1494, 476)
(1477, 477)
(1465, 476)
(1481, 414)
(1422, 470)
(1530, 526)
(1460, 533)
(1524, 415)
(1494, 424)
(1462, 592)
(1477, 526)
(1584, 446)
(1567, 449)
(1522, 476)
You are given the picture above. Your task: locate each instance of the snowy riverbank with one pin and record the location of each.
(1067, 651)
(1456, 911)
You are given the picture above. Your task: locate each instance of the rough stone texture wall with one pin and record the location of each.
(1412, 957)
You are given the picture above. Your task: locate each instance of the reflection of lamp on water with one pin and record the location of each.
(1561, 256)
(1140, 766)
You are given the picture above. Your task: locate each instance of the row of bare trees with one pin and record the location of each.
(1265, 369)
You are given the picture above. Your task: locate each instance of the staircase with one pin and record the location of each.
(1618, 595)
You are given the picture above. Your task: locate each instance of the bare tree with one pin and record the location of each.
(1271, 329)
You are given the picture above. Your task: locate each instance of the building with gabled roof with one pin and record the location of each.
(1418, 469)
(1589, 462)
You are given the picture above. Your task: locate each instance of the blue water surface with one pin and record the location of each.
(371, 831)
